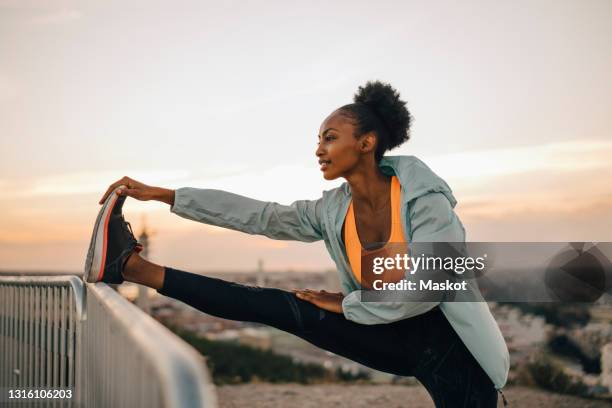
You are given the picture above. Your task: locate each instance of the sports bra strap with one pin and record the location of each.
(351, 237)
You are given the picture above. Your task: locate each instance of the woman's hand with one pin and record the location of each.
(140, 191)
(325, 300)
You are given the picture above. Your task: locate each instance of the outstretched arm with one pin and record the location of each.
(300, 221)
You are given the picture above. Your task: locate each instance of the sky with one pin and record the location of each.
(512, 106)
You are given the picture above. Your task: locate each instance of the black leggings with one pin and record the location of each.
(424, 346)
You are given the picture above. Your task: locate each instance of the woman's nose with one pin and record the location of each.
(319, 152)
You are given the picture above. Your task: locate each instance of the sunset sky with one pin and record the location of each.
(512, 104)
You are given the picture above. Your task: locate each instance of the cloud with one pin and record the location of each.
(481, 166)
(84, 182)
(558, 177)
(40, 12)
(9, 89)
(476, 175)
(57, 17)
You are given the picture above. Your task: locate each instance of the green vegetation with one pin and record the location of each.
(544, 372)
(563, 345)
(347, 376)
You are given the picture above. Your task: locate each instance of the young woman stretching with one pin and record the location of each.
(455, 349)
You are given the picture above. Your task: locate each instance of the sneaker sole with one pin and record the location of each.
(96, 254)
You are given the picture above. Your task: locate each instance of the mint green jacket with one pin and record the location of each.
(427, 216)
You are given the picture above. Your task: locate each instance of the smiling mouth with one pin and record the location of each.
(324, 164)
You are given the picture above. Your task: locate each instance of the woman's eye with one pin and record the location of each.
(327, 139)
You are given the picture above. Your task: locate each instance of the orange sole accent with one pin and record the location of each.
(105, 238)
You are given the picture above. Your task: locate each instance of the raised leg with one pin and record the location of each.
(143, 272)
(378, 346)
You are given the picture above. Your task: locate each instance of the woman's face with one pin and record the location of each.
(339, 151)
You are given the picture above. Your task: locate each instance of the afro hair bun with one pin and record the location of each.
(385, 102)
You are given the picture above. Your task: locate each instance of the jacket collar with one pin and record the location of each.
(415, 177)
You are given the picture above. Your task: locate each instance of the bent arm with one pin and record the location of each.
(432, 220)
(300, 221)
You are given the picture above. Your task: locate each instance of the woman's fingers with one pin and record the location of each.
(323, 299)
(130, 192)
(130, 188)
(312, 295)
(108, 192)
(307, 297)
(314, 292)
(123, 181)
(303, 294)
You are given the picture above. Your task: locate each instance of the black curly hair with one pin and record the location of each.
(377, 107)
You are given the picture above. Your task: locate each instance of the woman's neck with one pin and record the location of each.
(370, 187)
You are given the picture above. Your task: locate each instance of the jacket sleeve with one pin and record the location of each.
(300, 221)
(432, 220)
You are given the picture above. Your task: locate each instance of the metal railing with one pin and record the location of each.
(40, 331)
(57, 332)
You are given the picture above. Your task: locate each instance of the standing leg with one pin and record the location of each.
(449, 372)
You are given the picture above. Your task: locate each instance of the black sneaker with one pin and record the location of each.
(112, 242)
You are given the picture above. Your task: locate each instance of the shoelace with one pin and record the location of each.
(128, 229)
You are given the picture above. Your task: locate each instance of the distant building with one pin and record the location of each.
(606, 366)
(261, 276)
(142, 301)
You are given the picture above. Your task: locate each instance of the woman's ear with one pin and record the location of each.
(368, 142)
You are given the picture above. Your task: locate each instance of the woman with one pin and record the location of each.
(454, 349)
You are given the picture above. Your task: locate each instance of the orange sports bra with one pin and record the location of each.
(353, 244)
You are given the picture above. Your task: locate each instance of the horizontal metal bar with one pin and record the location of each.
(75, 282)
